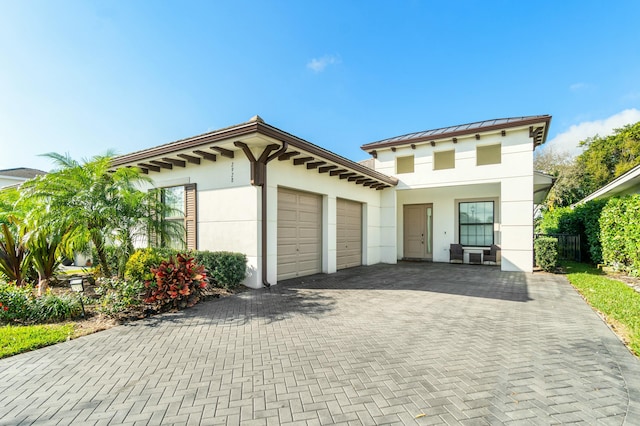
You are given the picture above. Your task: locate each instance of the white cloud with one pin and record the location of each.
(319, 64)
(578, 86)
(568, 140)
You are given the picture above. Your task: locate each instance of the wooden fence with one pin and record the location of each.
(568, 246)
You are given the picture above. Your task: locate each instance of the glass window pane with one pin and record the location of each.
(476, 223)
(174, 198)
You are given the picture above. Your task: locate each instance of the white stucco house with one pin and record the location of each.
(12, 177)
(297, 209)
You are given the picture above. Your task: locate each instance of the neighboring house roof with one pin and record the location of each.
(542, 184)
(223, 142)
(10, 178)
(628, 183)
(539, 134)
(21, 173)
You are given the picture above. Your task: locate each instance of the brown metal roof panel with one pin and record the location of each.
(458, 130)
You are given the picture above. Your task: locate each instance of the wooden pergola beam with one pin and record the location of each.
(298, 161)
(162, 164)
(175, 162)
(325, 169)
(190, 158)
(287, 155)
(315, 164)
(223, 151)
(346, 175)
(149, 167)
(206, 155)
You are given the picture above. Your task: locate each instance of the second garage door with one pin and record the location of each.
(299, 233)
(349, 233)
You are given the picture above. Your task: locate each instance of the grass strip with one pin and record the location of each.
(619, 303)
(23, 338)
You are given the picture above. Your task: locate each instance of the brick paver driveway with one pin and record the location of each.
(386, 344)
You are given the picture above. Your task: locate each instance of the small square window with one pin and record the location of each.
(404, 164)
(444, 160)
(489, 154)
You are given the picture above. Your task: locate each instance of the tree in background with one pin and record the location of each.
(603, 160)
(606, 158)
(568, 187)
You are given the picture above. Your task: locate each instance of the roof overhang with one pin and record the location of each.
(203, 148)
(542, 184)
(538, 127)
(627, 183)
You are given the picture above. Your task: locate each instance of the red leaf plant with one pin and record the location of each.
(177, 283)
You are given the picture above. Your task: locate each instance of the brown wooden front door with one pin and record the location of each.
(418, 235)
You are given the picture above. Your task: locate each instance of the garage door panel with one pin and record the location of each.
(299, 233)
(349, 233)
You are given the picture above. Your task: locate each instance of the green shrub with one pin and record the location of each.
(177, 283)
(53, 308)
(227, 269)
(589, 217)
(117, 296)
(620, 233)
(16, 303)
(140, 263)
(19, 305)
(546, 249)
(550, 221)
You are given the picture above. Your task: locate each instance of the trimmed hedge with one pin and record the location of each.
(546, 249)
(583, 220)
(620, 233)
(226, 268)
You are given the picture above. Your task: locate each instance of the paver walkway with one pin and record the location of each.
(386, 344)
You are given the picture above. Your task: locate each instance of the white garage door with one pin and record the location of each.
(299, 233)
(349, 233)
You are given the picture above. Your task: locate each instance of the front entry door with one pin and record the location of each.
(418, 226)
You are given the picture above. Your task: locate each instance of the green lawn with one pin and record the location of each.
(619, 303)
(18, 339)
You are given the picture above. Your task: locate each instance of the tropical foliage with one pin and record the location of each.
(99, 206)
(176, 283)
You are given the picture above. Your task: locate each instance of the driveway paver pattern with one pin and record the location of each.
(413, 343)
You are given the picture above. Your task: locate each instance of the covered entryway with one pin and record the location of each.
(418, 231)
(299, 233)
(349, 233)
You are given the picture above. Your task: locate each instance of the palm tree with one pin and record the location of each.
(96, 205)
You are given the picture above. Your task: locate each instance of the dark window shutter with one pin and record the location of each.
(154, 240)
(191, 219)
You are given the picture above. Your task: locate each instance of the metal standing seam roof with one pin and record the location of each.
(461, 129)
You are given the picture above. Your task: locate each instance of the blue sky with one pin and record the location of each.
(86, 76)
